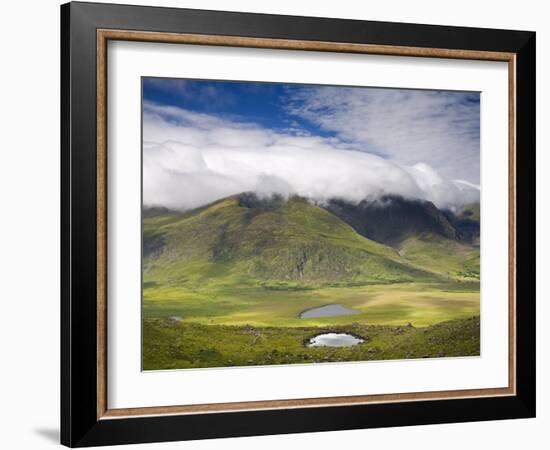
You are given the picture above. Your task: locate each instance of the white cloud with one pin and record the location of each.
(191, 159)
(440, 128)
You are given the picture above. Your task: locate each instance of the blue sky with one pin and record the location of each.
(222, 137)
(261, 103)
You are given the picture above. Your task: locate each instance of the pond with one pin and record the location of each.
(328, 311)
(334, 340)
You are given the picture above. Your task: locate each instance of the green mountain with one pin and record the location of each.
(393, 219)
(242, 240)
(439, 241)
(449, 257)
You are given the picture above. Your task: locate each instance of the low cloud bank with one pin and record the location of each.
(191, 159)
(440, 128)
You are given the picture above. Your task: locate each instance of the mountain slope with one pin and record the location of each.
(243, 240)
(467, 223)
(437, 241)
(448, 257)
(392, 219)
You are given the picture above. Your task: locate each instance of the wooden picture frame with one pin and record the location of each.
(86, 418)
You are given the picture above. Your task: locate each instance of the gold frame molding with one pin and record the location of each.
(105, 35)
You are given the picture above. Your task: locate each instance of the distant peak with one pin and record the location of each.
(389, 219)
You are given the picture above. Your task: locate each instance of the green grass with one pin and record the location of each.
(450, 258)
(395, 304)
(171, 344)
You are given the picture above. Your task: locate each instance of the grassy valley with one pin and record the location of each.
(226, 284)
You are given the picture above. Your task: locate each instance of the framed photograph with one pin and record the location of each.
(276, 224)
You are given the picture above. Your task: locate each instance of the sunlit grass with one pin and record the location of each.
(419, 304)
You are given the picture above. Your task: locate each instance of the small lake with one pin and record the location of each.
(334, 340)
(328, 311)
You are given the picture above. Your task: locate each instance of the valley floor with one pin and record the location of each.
(420, 304)
(259, 325)
(173, 344)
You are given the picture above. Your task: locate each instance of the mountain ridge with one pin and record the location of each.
(245, 238)
(391, 219)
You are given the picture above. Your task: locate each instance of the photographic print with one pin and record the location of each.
(307, 224)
